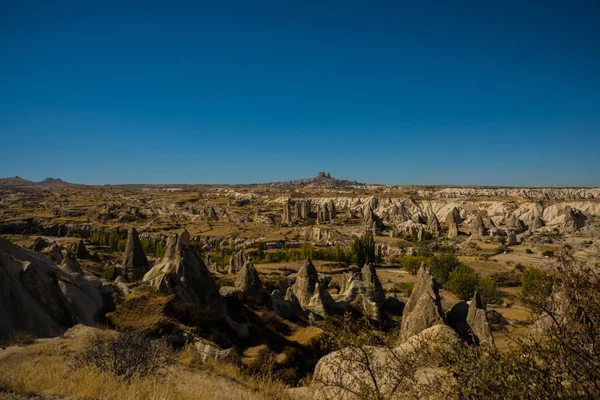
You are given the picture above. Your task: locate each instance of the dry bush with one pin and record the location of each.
(127, 354)
(18, 338)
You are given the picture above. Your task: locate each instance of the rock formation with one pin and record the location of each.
(478, 227)
(452, 220)
(39, 244)
(478, 322)
(423, 309)
(38, 297)
(70, 263)
(237, 261)
(433, 226)
(248, 283)
(536, 223)
(182, 272)
(326, 212)
(372, 222)
(135, 264)
(303, 288)
(511, 239)
(573, 220)
(81, 251)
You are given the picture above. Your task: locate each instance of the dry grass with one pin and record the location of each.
(143, 310)
(46, 368)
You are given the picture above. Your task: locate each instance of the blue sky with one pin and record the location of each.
(463, 92)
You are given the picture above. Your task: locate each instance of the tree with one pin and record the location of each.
(442, 265)
(463, 282)
(363, 249)
(260, 250)
(535, 284)
(488, 290)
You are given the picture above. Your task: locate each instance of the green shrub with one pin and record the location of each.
(442, 265)
(463, 282)
(488, 290)
(528, 251)
(535, 284)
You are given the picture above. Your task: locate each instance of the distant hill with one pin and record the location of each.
(18, 181)
(321, 180)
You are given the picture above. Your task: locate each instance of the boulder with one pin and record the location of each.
(433, 225)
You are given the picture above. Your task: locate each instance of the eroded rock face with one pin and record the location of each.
(452, 220)
(423, 309)
(183, 273)
(574, 220)
(478, 322)
(372, 222)
(70, 263)
(478, 227)
(433, 226)
(135, 263)
(303, 288)
(39, 297)
(248, 283)
(237, 261)
(537, 223)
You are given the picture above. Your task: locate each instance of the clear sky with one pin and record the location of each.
(395, 92)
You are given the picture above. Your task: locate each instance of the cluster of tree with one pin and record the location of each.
(110, 239)
(455, 276)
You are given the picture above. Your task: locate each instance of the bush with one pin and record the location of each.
(127, 354)
(463, 282)
(411, 263)
(442, 265)
(528, 251)
(488, 290)
(548, 253)
(535, 284)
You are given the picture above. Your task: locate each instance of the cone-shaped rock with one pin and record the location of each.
(478, 228)
(304, 286)
(135, 263)
(81, 251)
(423, 309)
(374, 288)
(452, 221)
(70, 263)
(433, 225)
(237, 261)
(537, 223)
(249, 284)
(183, 273)
(39, 244)
(478, 322)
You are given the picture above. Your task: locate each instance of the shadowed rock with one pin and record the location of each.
(70, 263)
(237, 261)
(81, 251)
(433, 225)
(248, 283)
(135, 263)
(478, 322)
(39, 244)
(423, 309)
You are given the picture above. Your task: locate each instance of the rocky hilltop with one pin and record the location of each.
(18, 181)
(322, 179)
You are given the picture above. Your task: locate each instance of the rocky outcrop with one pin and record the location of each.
(39, 244)
(536, 223)
(433, 226)
(372, 222)
(182, 272)
(303, 288)
(423, 309)
(452, 220)
(81, 251)
(248, 283)
(326, 212)
(135, 264)
(342, 374)
(573, 220)
(478, 322)
(38, 297)
(321, 303)
(478, 227)
(70, 263)
(363, 291)
(511, 239)
(237, 261)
